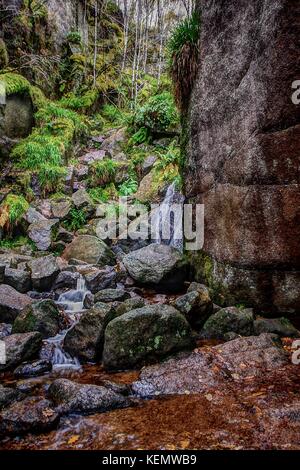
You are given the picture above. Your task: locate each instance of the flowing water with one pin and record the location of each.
(73, 303)
(167, 220)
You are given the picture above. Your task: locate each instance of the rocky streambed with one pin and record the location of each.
(103, 360)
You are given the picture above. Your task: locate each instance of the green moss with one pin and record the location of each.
(17, 242)
(103, 172)
(15, 83)
(77, 219)
(159, 114)
(51, 177)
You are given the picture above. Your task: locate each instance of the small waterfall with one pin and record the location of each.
(72, 301)
(60, 358)
(166, 222)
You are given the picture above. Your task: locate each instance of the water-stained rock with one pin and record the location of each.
(212, 368)
(70, 396)
(32, 369)
(29, 415)
(111, 295)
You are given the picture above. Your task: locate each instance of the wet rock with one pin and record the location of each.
(7, 396)
(32, 369)
(206, 369)
(5, 330)
(228, 320)
(66, 279)
(11, 303)
(18, 279)
(89, 250)
(28, 386)
(44, 272)
(196, 305)
(73, 397)
(111, 295)
(21, 347)
(42, 316)
(41, 233)
(28, 415)
(88, 300)
(156, 265)
(279, 326)
(61, 207)
(144, 335)
(130, 304)
(121, 389)
(98, 279)
(85, 339)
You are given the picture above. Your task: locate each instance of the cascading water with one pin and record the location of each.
(72, 302)
(167, 227)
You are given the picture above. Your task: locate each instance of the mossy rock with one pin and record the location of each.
(42, 316)
(145, 335)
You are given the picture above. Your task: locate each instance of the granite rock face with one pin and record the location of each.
(244, 151)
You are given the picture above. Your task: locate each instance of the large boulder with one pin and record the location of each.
(18, 279)
(11, 303)
(85, 339)
(29, 415)
(90, 250)
(44, 272)
(145, 335)
(213, 368)
(70, 396)
(21, 347)
(42, 233)
(243, 153)
(228, 320)
(42, 316)
(156, 265)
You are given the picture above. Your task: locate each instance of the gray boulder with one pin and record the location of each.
(196, 305)
(29, 415)
(98, 279)
(61, 207)
(111, 295)
(44, 271)
(11, 303)
(73, 397)
(279, 326)
(41, 233)
(18, 279)
(21, 347)
(90, 250)
(157, 265)
(85, 339)
(227, 320)
(32, 369)
(42, 316)
(66, 279)
(145, 335)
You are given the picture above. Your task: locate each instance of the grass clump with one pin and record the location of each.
(103, 172)
(183, 52)
(17, 242)
(11, 211)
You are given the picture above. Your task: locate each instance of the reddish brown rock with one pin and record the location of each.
(244, 152)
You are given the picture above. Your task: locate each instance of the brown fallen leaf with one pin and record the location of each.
(73, 439)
